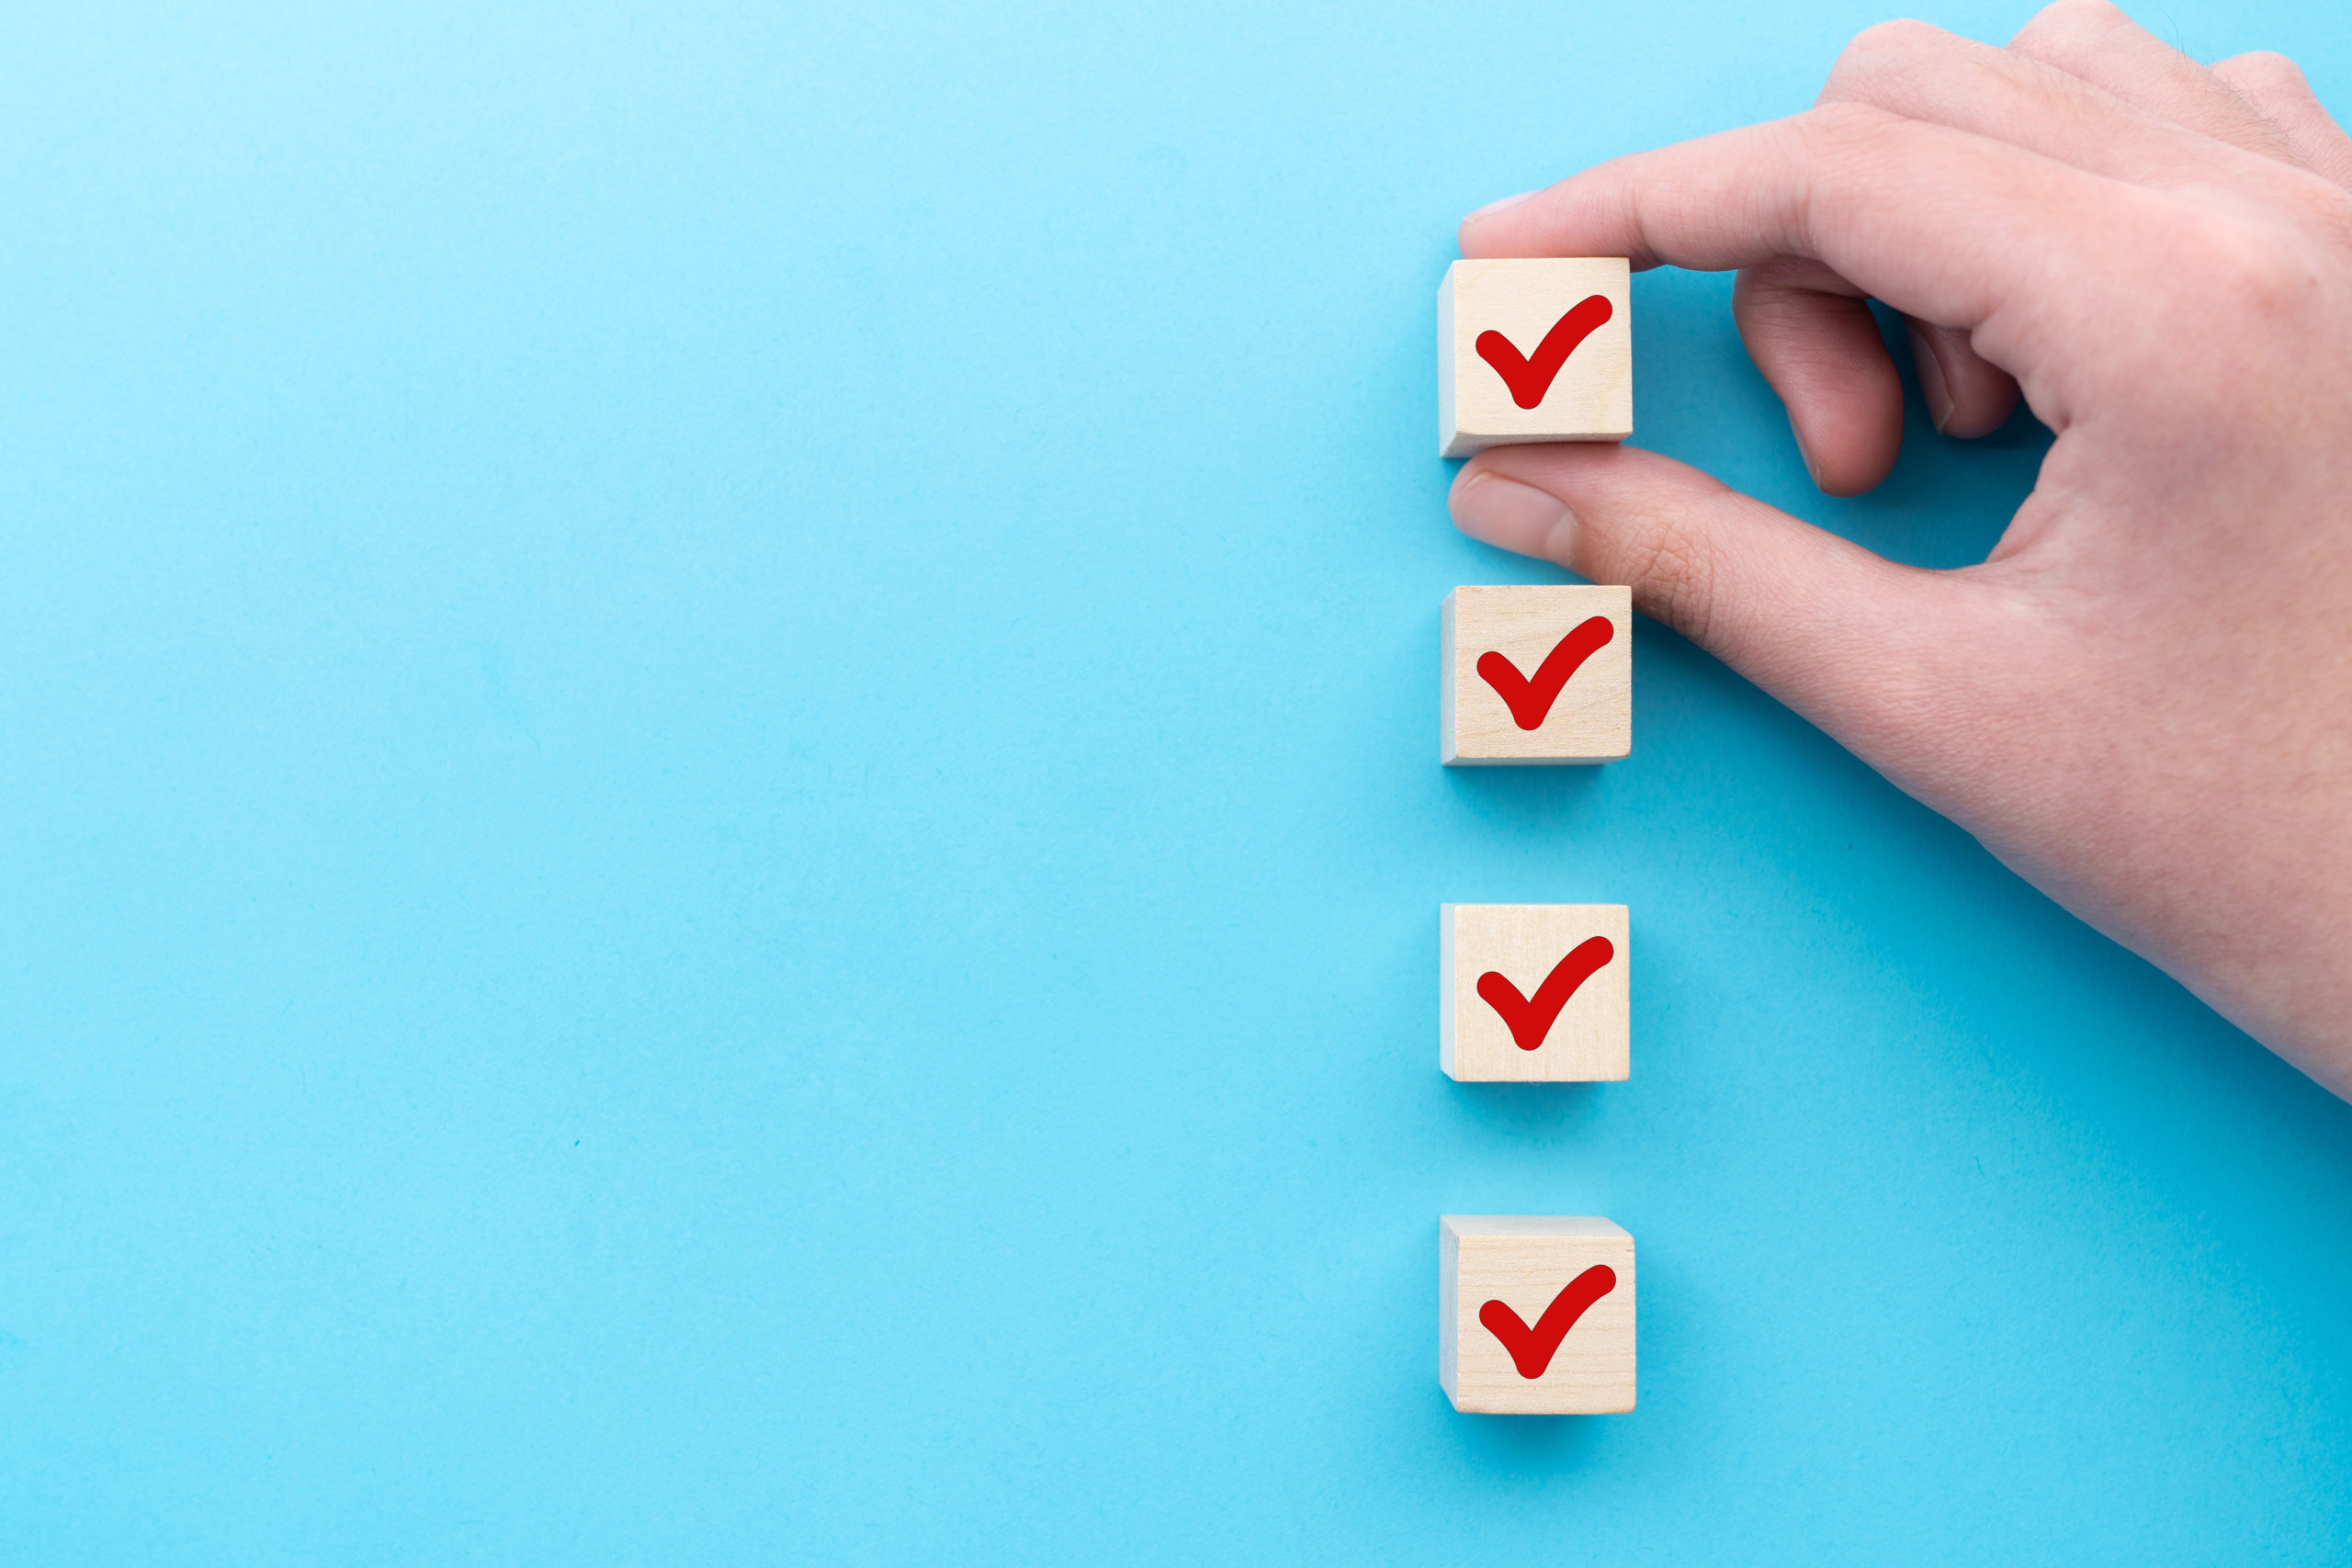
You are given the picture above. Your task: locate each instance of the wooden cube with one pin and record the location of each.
(1536, 674)
(1534, 350)
(1535, 1316)
(1533, 993)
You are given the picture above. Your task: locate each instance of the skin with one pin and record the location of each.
(2142, 701)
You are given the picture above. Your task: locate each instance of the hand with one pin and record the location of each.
(2142, 700)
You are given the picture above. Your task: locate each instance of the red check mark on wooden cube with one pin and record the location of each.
(1530, 1018)
(1530, 377)
(1531, 1350)
(1531, 701)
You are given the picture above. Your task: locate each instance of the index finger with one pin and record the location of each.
(1941, 224)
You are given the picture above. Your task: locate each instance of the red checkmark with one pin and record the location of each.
(1530, 1018)
(1532, 1349)
(1529, 379)
(1531, 701)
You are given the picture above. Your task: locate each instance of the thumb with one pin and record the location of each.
(1855, 642)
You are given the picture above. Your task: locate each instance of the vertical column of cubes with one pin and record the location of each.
(1535, 1315)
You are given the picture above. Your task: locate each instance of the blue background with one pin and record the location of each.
(720, 841)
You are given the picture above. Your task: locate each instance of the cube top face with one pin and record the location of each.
(1535, 1316)
(1533, 993)
(1536, 674)
(1534, 349)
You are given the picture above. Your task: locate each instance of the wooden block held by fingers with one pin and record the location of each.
(1533, 993)
(1535, 1316)
(1537, 674)
(1534, 350)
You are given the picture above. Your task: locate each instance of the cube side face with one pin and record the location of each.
(1587, 716)
(1533, 1267)
(1446, 434)
(1449, 1251)
(1446, 990)
(1588, 395)
(1582, 1029)
(1445, 706)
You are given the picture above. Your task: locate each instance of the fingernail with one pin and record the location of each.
(1498, 206)
(1512, 516)
(1933, 390)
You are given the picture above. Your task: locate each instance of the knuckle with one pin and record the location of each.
(2056, 29)
(2061, 15)
(1877, 51)
(1825, 148)
(2263, 272)
(1839, 124)
(2248, 286)
(1835, 133)
(2270, 69)
(1673, 578)
(2325, 210)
